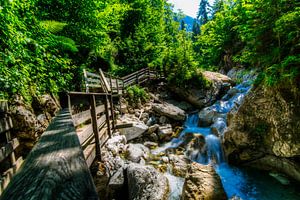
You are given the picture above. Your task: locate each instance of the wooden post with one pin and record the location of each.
(86, 81)
(110, 83)
(107, 116)
(149, 74)
(112, 111)
(69, 104)
(119, 95)
(137, 78)
(95, 126)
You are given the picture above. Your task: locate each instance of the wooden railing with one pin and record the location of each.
(58, 165)
(55, 168)
(140, 76)
(92, 115)
(9, 163)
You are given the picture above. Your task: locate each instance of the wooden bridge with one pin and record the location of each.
(58, 165)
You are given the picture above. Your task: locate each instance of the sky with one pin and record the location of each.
(189, 7)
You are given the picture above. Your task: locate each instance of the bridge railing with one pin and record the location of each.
(9, 164)
(55, 168)
(92, 114)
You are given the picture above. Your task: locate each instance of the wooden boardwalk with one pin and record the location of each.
(58, 165)
(55, 168)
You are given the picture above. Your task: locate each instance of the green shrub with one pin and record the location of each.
(136, 94)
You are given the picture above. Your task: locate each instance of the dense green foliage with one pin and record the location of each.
(136, 94)
(44, 44)
(254, 33)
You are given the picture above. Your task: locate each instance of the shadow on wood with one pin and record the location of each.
(55, 168)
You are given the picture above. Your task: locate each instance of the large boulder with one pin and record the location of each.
(169, 110)
(202, 182)
(266, 129)
(146, 183)
(200, 96)
(136, 152)
(138, 128)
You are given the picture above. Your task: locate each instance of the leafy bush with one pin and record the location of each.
(136, 94)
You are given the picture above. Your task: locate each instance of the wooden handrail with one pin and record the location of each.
(55, 168)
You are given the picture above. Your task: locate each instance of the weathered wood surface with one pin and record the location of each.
(8, 149)
(5, 124)
(86, 115)
(55, 168)
(8, 174)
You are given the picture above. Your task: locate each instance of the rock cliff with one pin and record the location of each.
(264, 131)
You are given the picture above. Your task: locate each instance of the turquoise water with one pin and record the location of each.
(252, 184)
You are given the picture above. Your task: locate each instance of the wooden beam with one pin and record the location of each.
(121, 126)
(84, 116)
(107, 115)
(103, 79)
(8, 174)
(8, 149)
(5, 124)
(55, 168)
(95, 126)
(90, 154)
(87, 131)
(92, 74)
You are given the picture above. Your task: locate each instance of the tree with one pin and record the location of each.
(195, 29)
(202, 14)
(182, 25)
(217, 6)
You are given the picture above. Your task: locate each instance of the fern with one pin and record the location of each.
(53, 26)
(65, 44)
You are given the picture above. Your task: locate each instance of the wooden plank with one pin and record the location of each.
(92, 74)
(93, 86)
(85, 94)
(104, 81)
(86, 115)
(86, 83)
(85, 132)
(3, 106)
(5, 124)
(121, 126)
(8, 149)
(8, 174)
(107, 115)
(55, 168)
(91, 80)
(95, 126)
(90, 154)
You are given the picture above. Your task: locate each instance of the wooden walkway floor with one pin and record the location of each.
(55, 168)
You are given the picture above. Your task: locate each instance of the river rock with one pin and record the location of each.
(116, 144)
(165, 131)
(265, 129)
(202, 182)
(138, 128)
(179, 164)
(200, 96)
(153, 128)
(169, 110)
(151, 145)
(116, 188)
(136, 152)
(49, 104)
(196, 146)
(146, 183)
(219, 126)
(206, 117)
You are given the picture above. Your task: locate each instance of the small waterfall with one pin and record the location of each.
(191, 121)
(203, 145)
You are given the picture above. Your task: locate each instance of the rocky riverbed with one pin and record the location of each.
(171, 153)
